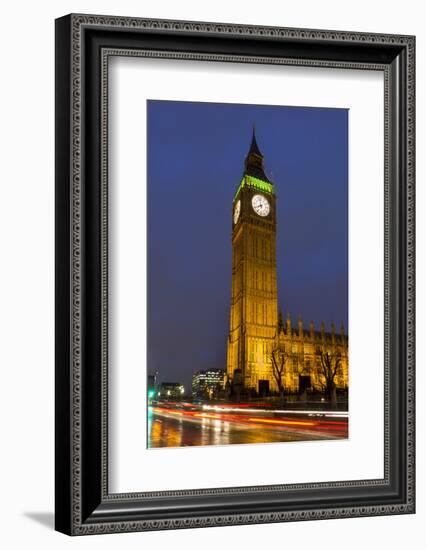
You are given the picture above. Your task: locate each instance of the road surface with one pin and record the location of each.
(177, 425)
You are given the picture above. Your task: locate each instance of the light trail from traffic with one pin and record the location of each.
(184, 424)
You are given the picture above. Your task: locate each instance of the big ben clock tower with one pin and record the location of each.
(254, 300)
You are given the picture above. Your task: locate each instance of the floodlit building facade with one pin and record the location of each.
(208, 383)
(256, 327)
(171, 390)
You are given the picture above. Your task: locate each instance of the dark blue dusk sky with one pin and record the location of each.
(196, 155)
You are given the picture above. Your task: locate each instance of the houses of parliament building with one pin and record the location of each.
(257, 329)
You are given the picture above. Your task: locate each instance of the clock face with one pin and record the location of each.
(260, 205)
(237, 211)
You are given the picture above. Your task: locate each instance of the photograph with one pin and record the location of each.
(247, 287)
(234, 275)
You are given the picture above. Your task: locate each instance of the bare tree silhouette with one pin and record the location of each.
(330, 364)
(279, 363)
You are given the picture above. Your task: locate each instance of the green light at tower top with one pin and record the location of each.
(256, 183)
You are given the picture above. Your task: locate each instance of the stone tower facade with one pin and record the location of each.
(254, 297)
(256, 327)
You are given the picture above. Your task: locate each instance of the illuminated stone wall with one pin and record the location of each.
(255, 330)
(302, 351)
(254, 297)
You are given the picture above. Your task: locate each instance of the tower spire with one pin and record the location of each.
(254, 148)
(300, 326)
(280, 321)
(254, 160)
(288, 323)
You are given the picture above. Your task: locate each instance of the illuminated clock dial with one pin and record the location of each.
(237, 211)
(260, 205)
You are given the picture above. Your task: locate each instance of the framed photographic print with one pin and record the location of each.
(234, 274)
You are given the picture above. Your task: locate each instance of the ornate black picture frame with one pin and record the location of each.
(84, 44)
